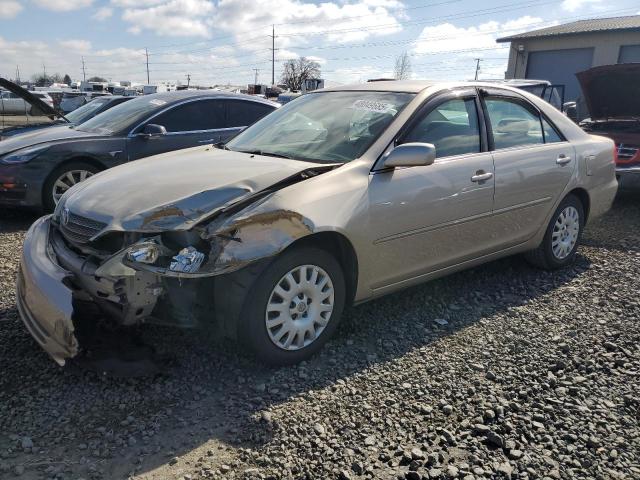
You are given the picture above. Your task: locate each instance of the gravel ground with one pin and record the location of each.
(502, 371)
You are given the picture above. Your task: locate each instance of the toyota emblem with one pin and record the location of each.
(65, 216)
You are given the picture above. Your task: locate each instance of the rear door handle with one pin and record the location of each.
(481, 177)
(563, 159)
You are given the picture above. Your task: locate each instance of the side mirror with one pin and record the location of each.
(153, 130)
(410, 155)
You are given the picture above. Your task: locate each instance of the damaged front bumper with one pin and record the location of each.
(55, 284)
(43, 297)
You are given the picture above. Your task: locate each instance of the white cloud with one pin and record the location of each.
(75, 46)
(189, 18)
(574, 5)
(9, 8)
(136, 3)
(63, 5)
(102, 14)
(446, 37)
(295, 20)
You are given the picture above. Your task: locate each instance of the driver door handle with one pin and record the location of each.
(481, 177)
(211, 140)
(563, 159)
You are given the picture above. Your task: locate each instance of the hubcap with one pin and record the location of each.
(565, 232)
(299, 307)
(68, 180)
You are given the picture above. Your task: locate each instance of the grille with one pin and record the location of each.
(79, 229)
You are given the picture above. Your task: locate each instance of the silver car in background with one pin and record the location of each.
(340, 196)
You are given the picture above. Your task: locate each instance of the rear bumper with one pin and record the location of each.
(44, 301)
(635, 170)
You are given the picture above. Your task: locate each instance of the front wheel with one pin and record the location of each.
(62, 179)
(560, 244)
(294, 306)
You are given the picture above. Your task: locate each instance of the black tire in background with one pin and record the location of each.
(543, 256)
(252, 329)
(48, 203)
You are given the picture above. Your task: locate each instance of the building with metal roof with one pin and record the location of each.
(558, 52)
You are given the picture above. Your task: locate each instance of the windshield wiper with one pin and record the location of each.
(266, 154)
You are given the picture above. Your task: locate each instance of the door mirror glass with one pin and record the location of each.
(411, 155)
(153, 130)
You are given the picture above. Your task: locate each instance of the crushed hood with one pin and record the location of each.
(28, 97)
(176, 190)
(612, 91)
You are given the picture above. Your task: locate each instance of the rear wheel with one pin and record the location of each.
(62, 179)
(560, 243)
(294, 306)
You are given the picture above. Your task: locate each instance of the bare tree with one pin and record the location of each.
(42, 80)
(402, 70)
(296, 71)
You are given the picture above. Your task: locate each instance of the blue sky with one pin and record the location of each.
(222, 41)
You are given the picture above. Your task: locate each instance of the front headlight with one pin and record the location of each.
(147, 252)
(24, 155)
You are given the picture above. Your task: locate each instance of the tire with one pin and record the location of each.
(546, 256)
(48, 202)
(253, 331)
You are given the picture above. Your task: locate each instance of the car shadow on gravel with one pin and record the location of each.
(210, 393)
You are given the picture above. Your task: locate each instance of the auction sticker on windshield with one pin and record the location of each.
(372, 106)
(157, 102)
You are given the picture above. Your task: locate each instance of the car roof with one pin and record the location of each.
(413, 86)
(407, 86)
(180, 95)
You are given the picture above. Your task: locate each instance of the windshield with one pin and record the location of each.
(123, 116)
(85, 112)
(324, 127)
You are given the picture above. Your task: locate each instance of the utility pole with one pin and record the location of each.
(44, 72)
(84, 72)
(146, 52)
(477, 67)
(273, 54)
(255, 82)
(188, 80)
(18, 74)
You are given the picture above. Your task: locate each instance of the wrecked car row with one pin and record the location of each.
(337, 198)
(37, 167)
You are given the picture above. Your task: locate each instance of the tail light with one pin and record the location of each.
(615, 154)
(627, 154)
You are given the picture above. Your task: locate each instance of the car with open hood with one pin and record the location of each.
(338, 197)
(612, 96)
(37, 167)
(27, 117)
(22, 111)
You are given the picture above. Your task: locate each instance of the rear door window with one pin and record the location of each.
(241, 113)
(513, 123)
(192, 116)
(551, 135)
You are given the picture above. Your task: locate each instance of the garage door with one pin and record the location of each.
(629, 54)
(560, 67)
